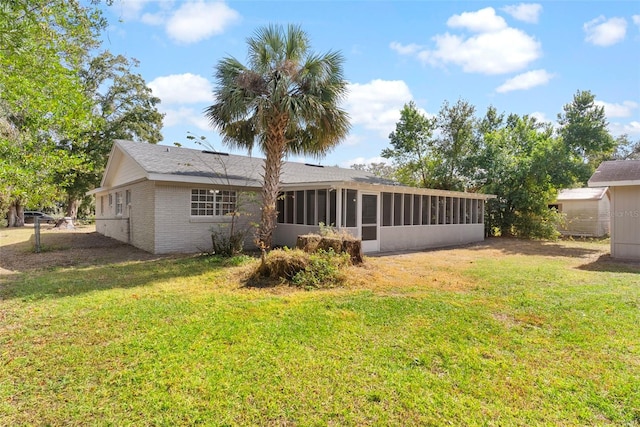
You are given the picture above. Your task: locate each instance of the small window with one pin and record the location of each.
(280, 208)
(101, 205)
(119, 203)
(434, 210)
(416, 209)
(299, 198)
(425, 210)
(407, 209)
(456, 210)
(110, 200)
(289, 207)
(474, 211)
(127, 197)
(225, 202)
(205, 202)
(555, 206)
(397, 209)
(387, 209)
(322, 206)
(350, 206)
(311, 207)
(332, 207)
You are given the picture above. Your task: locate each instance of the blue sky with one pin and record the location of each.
(524, 58)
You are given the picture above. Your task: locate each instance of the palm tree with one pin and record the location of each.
(285, 101)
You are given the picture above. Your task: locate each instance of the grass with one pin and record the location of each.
(504, 333)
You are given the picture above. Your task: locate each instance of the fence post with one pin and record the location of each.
(36, 226)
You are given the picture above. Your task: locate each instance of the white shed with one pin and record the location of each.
(585, 211)
(623, 179)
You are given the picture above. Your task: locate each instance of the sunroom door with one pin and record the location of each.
(369, 231)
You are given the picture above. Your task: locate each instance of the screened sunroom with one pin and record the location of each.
(385, 217)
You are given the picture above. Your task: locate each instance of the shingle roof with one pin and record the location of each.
(233, 169)
(582, 194)
(616, 173)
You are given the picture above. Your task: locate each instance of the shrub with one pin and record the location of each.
(299, 268)
(324, 270)
(227, 244)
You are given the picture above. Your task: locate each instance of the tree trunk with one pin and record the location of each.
(15, 216)
(72, 208)
(274, 150)
(270, 189)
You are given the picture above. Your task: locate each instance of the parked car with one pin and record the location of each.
(30, 217)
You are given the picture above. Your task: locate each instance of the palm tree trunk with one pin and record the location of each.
(274, 151)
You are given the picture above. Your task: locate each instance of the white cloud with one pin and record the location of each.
(199, 20)
(636, 19)
(376, 105)
(605, 32)
(184, 116)
(182, 89)
(540, 117)
(498, 52)
(409, 49)
(618, 110)
(525, 81)
(153, 18)
(632, 129)
(526, 12)
(130, 9)
(353, 139)
(496, 48)
(482, 21)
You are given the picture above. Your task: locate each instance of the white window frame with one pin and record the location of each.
(212, 203)
(119, 205)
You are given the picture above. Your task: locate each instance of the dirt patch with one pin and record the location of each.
(81, 246)
(443, 268)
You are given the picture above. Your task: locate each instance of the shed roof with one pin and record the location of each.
(582, 194)
(616, 173)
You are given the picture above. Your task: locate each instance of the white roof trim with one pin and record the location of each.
(614, 183)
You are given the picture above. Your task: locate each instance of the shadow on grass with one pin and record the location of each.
(513, 246)
(68, 249)
(67, 282)
(612, 265)
(73, 263)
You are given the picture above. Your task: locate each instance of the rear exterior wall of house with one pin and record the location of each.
(186, 215)
(126, 213)
(165, 217)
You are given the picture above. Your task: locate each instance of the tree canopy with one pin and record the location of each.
(60, 107)
(520, 160)
(286, 100)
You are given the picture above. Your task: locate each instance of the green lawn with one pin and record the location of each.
(504, 333)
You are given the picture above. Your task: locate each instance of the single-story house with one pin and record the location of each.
(585, 211)
(623, 179)
(167, 199)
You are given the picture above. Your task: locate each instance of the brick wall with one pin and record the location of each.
(177, 231)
